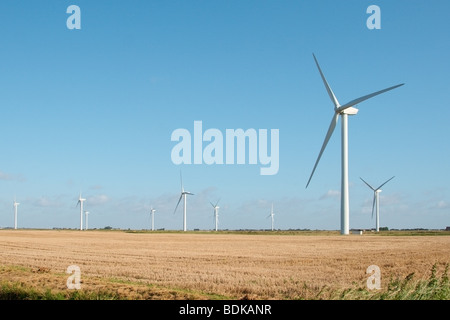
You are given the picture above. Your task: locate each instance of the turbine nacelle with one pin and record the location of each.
(215, 206)
(350, 111)
(80, 200)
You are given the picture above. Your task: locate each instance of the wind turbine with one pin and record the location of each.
(271, 215)
(152, 212)
(376, 201)
(15, 213)
(86, 213)
(343, 111)
(80, 201)
(183, 194)
(216, 213)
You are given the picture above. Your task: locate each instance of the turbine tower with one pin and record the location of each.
(80, 201)
(86, 214)
(15, 204)
(376, 201)
(271, 215)
(216, 213)
(183, 194)
(152, 213)
(343, 111)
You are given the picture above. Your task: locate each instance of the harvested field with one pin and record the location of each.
(214, 265)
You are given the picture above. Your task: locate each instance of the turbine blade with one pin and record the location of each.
(325, 142)
(217, 202)
(361, 99)
(330, 92)
(212, 204)
(385, 182)
(373, 204)
(367, 184)
(179, 200)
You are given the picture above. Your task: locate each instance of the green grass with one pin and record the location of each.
(17, 291)
(434, 288)
(414, 233)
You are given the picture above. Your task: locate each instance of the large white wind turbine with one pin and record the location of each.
(271, 215)
(183, 194)
(152, 213)
(15, 213)
(86, 214)
(216, 213)
(343, 111)
(80, 202)
(376, 201)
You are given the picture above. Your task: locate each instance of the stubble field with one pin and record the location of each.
(164, 265)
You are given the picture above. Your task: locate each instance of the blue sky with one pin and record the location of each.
(93, 110)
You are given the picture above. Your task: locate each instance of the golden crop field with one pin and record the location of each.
(164, 265)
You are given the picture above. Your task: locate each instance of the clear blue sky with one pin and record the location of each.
(93, 110)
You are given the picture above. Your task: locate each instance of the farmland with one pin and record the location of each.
(214, 265)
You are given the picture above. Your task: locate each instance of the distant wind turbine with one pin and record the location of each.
(343, 111)
(86, 214)
(15, 213)
(80, 202)
(271, 215)
(152, 213)
(216, 213)
(376, 201)
(183, 194)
